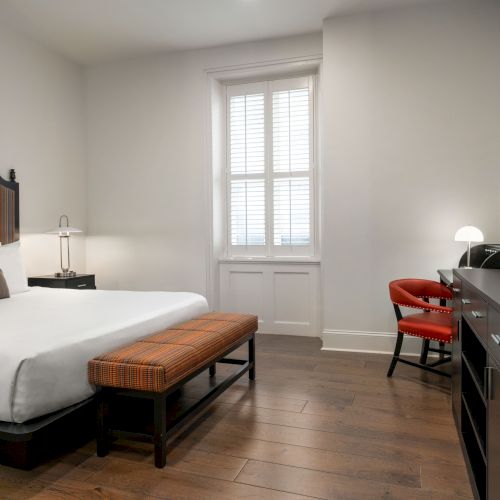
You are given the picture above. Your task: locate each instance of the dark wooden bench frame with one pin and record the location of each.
(164, 429)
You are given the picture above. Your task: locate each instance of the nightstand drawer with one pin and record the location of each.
(81, 282)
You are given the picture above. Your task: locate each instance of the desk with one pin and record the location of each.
(475, 380)
(446, 276)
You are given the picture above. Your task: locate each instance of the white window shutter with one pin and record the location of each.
(248, 212)
(291, 130)
(270, 174)
(247, 156)
(247, 140)
(291, 211)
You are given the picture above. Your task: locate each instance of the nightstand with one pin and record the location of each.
(78, 282)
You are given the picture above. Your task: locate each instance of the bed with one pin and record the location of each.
(44, 391)
(44, 355)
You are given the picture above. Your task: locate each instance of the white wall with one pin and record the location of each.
(42, 137)
(411, 134)
(410, 147)
(148, 163)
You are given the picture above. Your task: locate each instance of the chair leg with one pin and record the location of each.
(397, 350)
(424, 352)
(441, 346)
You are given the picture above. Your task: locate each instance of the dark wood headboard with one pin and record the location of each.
(9, 209)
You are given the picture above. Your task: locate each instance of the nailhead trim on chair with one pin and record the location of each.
(422, 308)
(426, 338)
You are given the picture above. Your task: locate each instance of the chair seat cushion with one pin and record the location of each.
(427, 325)
(159, 361)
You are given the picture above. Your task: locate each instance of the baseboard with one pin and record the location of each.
(372, 342)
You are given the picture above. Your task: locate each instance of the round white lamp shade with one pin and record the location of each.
(469, 233)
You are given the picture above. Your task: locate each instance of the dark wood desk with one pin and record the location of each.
(476, 375)
(446, 276)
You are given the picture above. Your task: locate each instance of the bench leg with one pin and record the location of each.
(251, 357)
(212, 370)
(102, 426)
(160, 433)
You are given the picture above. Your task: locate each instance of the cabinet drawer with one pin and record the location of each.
(475, 311)
(81, 283)
(494, 333)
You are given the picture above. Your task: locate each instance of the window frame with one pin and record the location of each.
(269, 250)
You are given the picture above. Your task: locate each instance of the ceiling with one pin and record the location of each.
(90, 31)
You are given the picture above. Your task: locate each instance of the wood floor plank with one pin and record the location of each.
(385, 471)
(277, 389)
(171, 483)
(345, 383)
(388, 446)
(396, 423)
(448, 479)
(326, 485)
(396, 402)
(64, 489)
(347, 420)
(390, 428)
(253, 398)
(205, 463)
(434, 416)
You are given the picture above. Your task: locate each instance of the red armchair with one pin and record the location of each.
(432, 324)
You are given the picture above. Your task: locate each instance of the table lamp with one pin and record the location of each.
(469, 234)
(64, 233)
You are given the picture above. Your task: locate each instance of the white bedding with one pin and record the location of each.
(47, 336)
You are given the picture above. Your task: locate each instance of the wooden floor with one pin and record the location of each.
(313, 425)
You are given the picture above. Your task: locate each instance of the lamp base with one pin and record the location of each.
(65, 274)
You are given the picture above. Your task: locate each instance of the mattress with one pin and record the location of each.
(48, 335)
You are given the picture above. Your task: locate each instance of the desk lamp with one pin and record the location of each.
(469, 234)
(64, 233)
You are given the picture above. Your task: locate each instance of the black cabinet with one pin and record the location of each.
(456, 351)
(78, 282)
(494, 429)
(476, 376)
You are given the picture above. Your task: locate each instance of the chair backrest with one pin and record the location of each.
(410, 292)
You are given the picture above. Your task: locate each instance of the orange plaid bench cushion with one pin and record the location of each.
(159, 361)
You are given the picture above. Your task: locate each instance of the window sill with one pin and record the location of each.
(270, 260)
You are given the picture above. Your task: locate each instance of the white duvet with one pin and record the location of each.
(47, 336)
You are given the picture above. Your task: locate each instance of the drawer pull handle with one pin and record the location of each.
(496, 338)
(477, 314)
(83, 285)
(465, 301)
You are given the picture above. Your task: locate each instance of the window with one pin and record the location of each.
(270, 168)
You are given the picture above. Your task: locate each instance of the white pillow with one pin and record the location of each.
(11, 263)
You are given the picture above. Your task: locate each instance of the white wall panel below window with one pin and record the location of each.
(285, 296)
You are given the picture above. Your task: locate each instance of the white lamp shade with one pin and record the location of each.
(469, 233)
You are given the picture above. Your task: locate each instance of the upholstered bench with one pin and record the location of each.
(156, 366)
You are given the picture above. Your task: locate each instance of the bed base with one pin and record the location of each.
(25, 445)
